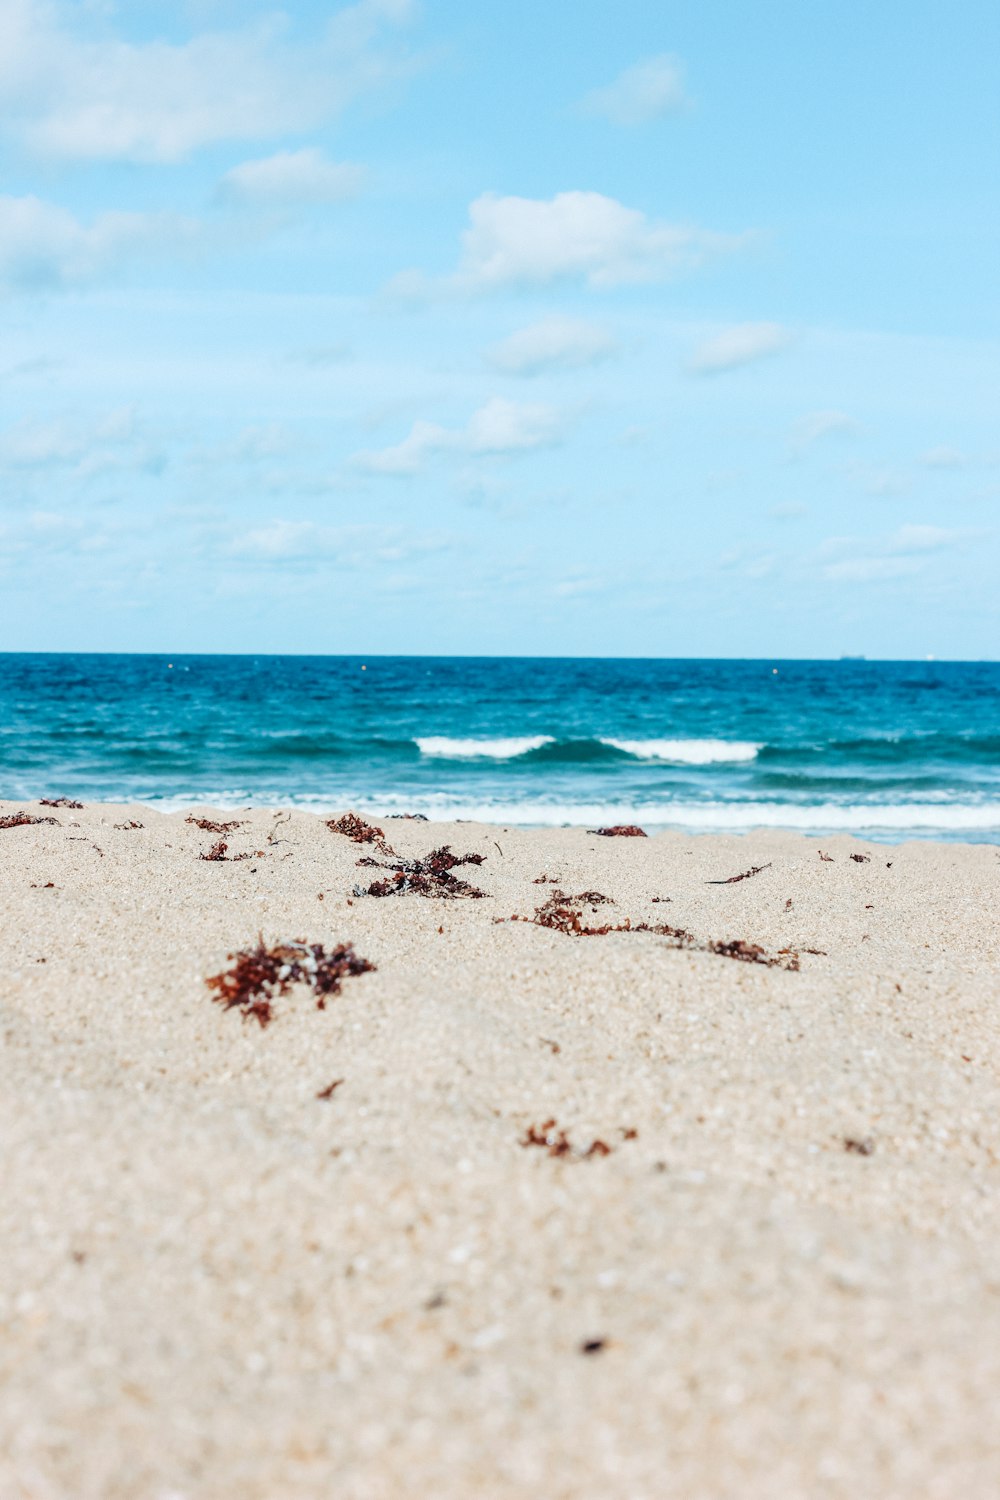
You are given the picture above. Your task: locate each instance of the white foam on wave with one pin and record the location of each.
(689, 752)
(500, 749)
(895, 819)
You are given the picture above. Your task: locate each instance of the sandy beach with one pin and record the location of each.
(584, 1217)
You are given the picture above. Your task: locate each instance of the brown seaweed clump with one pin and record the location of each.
(22, 819)
(430, 876)
(353, 827)
(621, 831)
(557, 1143)
(744, 875)
(565, 914)
(259, 974)
(59, 802)
(207, 825)
(218, 855)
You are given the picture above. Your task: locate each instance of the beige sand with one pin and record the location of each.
(215, 1285)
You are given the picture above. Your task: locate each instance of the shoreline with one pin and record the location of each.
(521, 1210)
(784, 815)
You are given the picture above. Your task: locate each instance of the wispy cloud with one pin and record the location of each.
(742, 344)
(884, 483)
(284, 541)
(320, 356)
(514, 241)
(75, 98)
(117, 441)
(822, 424)
(901, 553)
(43, 246)
(498, 428)
(943, 458)
(644, 92)
(291, 177)
(555, 343)
(578, 588)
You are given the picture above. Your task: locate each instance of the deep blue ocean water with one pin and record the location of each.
(887, 749)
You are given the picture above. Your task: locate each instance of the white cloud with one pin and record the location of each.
(286, 541)
(743, 344)
(578, 588)
(885, 483)
(943, 458)
(69, 96)
(497, 428)
(924, 538)
(84, 449)
(45, 246)
(409, 456)
(820, 424)
(289, 541)
(555, 343)
(320, 356)
(532, 241)
(871, 569)
(903, 552)
(510, 427)
(641, 93)
(291, 177)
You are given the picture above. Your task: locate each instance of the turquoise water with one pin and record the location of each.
(887, 749)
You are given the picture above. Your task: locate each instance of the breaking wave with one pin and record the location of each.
(689, 752)
(500, 749)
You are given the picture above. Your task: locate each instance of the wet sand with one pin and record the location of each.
(781, 1279)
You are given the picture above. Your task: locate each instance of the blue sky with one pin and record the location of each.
(603, 328)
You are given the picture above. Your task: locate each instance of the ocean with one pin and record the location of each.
(888, 750)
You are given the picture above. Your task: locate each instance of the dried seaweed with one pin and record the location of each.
(129, 825)
(59, 802)
(593, 1346)
(826, 858)
(549, 1136)
(22, 819)
(620, 831)
(748, 953)
(330, 1089)
(564, 914)
(430, 876)
(217, 854)
(552, 1139)
(259, 974)
(863, 1147)
(208, 826)
(735, 879)
(861, 859)
(353, 827)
